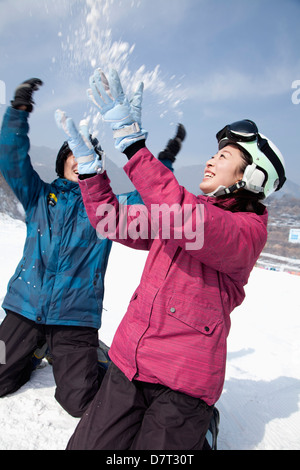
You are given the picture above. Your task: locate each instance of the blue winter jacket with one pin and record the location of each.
(60, 278)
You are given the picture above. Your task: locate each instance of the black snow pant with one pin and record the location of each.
(135, 415)
(75, 362)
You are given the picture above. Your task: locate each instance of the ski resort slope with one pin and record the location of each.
(259, 406)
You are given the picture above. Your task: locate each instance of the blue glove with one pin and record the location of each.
(87, 152)
(124, 116)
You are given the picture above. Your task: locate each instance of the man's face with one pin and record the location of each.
(71, 169)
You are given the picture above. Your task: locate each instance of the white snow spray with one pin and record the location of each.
(95, 42)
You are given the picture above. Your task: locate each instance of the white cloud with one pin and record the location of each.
(16, 11)
(233, 83)
(72, 95)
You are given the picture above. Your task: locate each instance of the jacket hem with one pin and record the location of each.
(55, 322)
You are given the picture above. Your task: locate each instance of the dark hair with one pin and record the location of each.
(242, 200)
(62, 156)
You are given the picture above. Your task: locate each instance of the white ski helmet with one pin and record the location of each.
(266, 173)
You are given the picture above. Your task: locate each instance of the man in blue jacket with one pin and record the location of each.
(56, 293)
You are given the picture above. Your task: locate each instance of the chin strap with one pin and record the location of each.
(253, 180)
(221, 190)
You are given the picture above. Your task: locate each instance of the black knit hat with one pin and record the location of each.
(62, 156)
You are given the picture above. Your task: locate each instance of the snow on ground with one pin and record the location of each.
(259, 406)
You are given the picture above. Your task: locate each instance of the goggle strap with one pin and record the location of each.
(265, 148)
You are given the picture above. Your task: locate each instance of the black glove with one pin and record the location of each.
(96, 145)
(23, 94)
(174, 145)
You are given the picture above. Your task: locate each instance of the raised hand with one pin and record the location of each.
(123, 115)
(23, 94)
(87, 151)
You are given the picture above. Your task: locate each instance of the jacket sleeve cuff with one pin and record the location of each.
(95, 183)
(17, 119)
(134, 148)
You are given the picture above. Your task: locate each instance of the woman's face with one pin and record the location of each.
(223, 169)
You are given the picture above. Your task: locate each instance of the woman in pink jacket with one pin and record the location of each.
(168, 354)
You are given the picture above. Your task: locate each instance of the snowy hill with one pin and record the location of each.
(9, 204)
(259, 406)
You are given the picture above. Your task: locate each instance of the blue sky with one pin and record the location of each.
(205, 63)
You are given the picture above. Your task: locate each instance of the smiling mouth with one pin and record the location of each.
(208, 174)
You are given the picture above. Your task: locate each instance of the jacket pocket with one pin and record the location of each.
(134, 296)
(194, 315)
(98, 290)
(17, 274)
(82, 213)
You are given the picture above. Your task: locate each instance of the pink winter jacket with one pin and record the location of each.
(175, 328)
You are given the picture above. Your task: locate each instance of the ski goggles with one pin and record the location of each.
(247, 131)
(240, 131)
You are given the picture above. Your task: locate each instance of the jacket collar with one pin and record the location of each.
(66, 185)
